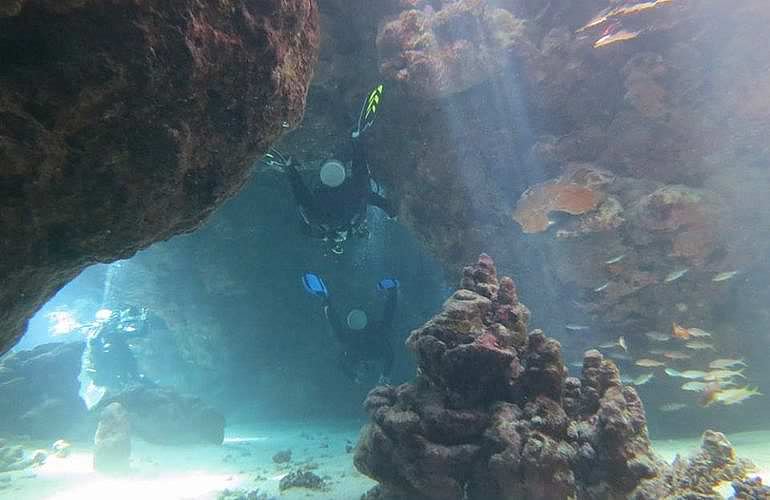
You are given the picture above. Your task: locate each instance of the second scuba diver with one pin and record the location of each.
(361, 342)
(337, 208)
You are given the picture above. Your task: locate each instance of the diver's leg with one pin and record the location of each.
(390, 307)
(348, 366)
(387, 362)
(335, 322)
(360, 174)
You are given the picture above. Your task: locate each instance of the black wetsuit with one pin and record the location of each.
(370, 344)
(329, 211)
(110, 360)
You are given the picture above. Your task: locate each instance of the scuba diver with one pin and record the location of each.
(362, 342)
(109, 361)
(337, 208)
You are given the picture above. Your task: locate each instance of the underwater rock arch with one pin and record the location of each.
(124, 123)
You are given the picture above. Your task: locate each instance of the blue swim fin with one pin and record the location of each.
(314, 285)
(387, 284)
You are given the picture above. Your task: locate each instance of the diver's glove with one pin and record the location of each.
(388, 284)
(314, 285)
(275, 159)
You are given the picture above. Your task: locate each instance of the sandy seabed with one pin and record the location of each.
(245, 462)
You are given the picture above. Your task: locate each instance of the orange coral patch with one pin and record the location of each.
(537, 202)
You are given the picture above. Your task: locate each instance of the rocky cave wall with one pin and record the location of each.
(123, 123)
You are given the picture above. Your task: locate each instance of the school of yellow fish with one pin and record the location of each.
(722, 383)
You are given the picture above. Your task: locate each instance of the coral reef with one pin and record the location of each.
(302, 479)
(751, 489)
(493, 414)
(13, 458)
(439, 53)
(716, 460)
(43, 385)
(125, 122)
(652, 227)
(282, 457)
(112, 442)
(163, 416)
(243, 495)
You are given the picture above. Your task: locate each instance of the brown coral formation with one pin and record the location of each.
(493, 414)
(438, 53)
(714, 463)
(652, 228)
(125, 122)
(537, 202)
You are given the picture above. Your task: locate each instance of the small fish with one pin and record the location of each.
(724, 276)
(657, 352)
(608, 345)
(670, 407)
(602, 288)
(719, 364)
(697, 332)
(723, 374)
(622, 343)
(709, 394)
(693, 374)
(676, 355)
(576, 364)
(643, 379)
(699, 345)
(657, 336)
(688, 374)
(694, 386)
(576, 328)
(675, 275)
(679, 332)
(735, 396)
(649, 363)
(615, 260)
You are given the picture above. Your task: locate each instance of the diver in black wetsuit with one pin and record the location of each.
(337, 209)
(362, 342)
(109, 360)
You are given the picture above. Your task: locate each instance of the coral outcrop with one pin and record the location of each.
(125, 122)
(439, 53)
(13, 458)
(112, 442)
(40, 390)
(493, 414)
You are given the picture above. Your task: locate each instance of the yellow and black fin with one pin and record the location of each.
(369, 110)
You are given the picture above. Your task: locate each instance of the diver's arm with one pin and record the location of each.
(384, 204)
(302, 194)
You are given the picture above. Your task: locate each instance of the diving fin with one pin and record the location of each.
(387, 284)
(368, 111)
(314, 285)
